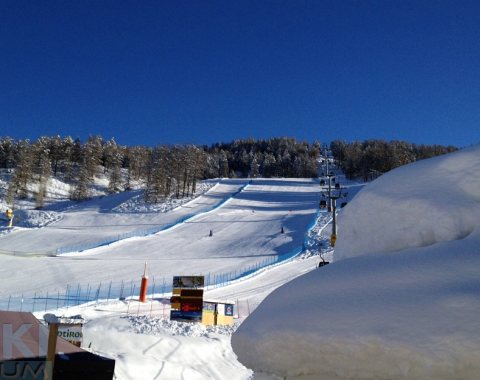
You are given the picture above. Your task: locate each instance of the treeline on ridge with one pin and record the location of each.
(369, 159)
(164, 170)
(173, 170)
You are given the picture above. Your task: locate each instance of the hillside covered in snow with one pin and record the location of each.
(401, 299)
(87, 257)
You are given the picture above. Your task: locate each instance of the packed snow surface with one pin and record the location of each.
(417, 205)
(246, 217)
(401, 300)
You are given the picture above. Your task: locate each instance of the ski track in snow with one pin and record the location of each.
(255, 214)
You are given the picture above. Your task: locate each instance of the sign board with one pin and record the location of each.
(69, 328)
(209, 307)
(188, 282)
(191, 293)
(187, 298)
(218, 313)
(229, 310)
(71, 333)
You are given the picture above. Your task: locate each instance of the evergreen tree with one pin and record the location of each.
(81, 190)
(23, 173)
(157, 182)
(112, 161)
(223, 167)
(92, 154)
(42, 169)
(254, 168)
(7, 148)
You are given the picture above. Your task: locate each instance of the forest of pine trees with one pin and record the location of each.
(173, 170)
(366, 160)
(164, 170)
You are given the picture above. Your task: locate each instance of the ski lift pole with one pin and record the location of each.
(334, 214)
(326, 160)
(329, 192)
(333, 199)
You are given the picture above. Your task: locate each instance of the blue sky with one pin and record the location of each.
(155, 72)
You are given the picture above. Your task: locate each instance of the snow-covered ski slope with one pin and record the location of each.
(246, 224)
(245, 230)
(94, 222)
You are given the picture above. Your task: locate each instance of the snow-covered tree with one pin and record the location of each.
(22, 176)
(81, 190)
(112, 162)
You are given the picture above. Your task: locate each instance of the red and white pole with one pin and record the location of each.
(144, 285)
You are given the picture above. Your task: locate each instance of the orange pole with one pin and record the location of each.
(144, 285)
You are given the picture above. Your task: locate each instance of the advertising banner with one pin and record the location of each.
(71, 333)
(187, 298)
(229, 310)
(188, 282)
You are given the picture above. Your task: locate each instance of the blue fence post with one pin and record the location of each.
(77, 296)
(131, 288)
(98, 293)
(46, 302)
(34, 299)
(121, 291)
(87, 298)
(66, 295)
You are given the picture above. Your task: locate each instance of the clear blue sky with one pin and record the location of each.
(184, 71)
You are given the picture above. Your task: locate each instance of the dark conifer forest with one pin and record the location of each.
(173, 170)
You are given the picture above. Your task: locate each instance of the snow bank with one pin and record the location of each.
(137, 203)
(35, 218)
(416, 205)
(379, 314)
(145, 348)
(158, 326)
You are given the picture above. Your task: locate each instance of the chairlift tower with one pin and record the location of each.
(329, 176)
(326, 160)
(333, 199)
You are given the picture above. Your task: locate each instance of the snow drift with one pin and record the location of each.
(416, 205)
(400, 302)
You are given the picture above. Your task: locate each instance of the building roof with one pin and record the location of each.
(22, 336)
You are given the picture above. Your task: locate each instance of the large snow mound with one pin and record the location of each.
(415, 205)
(410, 314)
